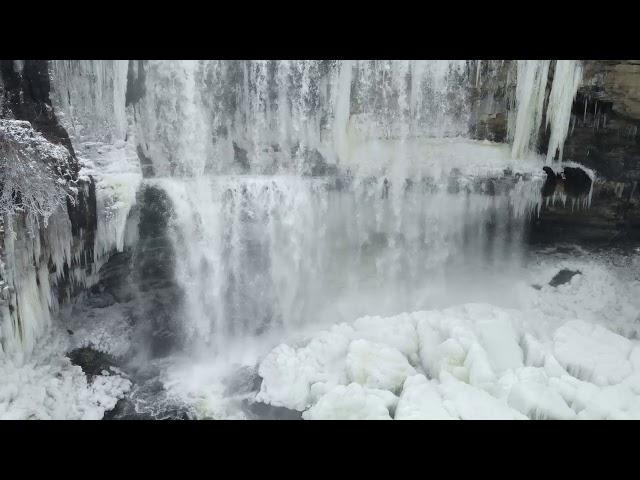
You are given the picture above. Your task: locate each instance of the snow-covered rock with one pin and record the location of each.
(375, 365)
(352, 402)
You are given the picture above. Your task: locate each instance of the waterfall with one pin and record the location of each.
(307, 191)
(255, 253)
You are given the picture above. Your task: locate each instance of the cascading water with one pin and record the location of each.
(304, 190)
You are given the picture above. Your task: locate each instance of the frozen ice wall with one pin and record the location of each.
(530, 99)
(286, 116)
(89, 98)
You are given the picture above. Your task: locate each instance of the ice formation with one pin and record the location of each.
(566, 80)
(48, 386)
(474, 361)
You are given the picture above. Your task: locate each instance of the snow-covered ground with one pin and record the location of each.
(48, 386)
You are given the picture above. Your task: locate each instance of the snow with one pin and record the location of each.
(593, 353)
(469, 403)
(352, 402)
(532, 396)
(48, 386)
(398, 332)
(375, 365)
(421, 400)
(289, 373)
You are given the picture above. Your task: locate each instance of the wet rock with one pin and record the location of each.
(100, 300)
(158, 295)
(92, 361)
(263, 411)
(563, 276)
(148, 399)
(244, 381)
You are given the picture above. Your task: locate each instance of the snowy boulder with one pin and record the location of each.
(478, 365)
(437, 352)
(285, 379)
(421, 400)
(288, 374)
(470, 403)
(352, 402)
(592, 352)
(533, 350)
(532, 396)
(398, 332)
(376, 365)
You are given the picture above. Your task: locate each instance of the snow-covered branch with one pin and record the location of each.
(34, 173)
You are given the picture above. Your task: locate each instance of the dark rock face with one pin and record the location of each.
(605, 137)
(612, 219)
(577, 183)
(135, 82)
(26, 97)
(153, 272)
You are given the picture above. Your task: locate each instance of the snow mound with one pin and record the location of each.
(288, 374)
(352, 402)
(593, 353)
(421, 400)
(375, 365)
(49, 387)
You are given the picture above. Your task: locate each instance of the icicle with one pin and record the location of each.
(566, 80)
(530, 91)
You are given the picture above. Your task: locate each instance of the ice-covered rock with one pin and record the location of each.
(593, 353)
(352, 402)
(375, 365)
(421, 400)
(288, 374)
(469, 403)
(532, 396)
(398, 332)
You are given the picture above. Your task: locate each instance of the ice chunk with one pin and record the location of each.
(351, 402)
(376, 365)
(289, 373)
(286, 379)
(532, 396)
(481, 373)
(420, 400)
(592, 352)
(470, 403)
(398, 332)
